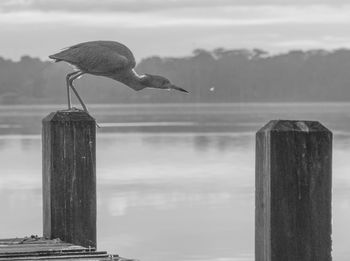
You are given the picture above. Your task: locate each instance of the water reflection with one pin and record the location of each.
(170, 194)
(202, 142)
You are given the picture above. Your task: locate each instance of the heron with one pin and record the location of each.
(109, 59)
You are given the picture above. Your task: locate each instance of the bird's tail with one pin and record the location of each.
(53, 57)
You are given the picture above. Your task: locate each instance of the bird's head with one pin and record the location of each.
(159, 82)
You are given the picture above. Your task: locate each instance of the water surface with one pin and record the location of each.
(175, 182)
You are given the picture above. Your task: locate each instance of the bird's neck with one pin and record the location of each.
(132, 79)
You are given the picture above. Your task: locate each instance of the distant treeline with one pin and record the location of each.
(210, 76)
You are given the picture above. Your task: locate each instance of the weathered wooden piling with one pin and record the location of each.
(293, 192)
(69, 177)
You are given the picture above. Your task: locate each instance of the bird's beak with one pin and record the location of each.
(174, 87)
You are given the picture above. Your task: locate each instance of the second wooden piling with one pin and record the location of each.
(293, 192)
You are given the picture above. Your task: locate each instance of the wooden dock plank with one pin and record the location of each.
(42, 248)
(50, 253)
(35, 248)
(60, 246)
(109, 258)
(59, 256)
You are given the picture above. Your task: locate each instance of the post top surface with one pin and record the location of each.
(69, 115)
(294, 125)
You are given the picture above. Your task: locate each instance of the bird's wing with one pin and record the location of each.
(99, 57)
(120, 49)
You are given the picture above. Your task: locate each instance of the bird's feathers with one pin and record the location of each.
(98, 57)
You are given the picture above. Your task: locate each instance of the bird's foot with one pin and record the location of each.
(74, 109)
(77, 109)
(71, 109)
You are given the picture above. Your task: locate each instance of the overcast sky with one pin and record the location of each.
(172, 27)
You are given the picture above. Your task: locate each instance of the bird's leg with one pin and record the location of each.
(75, 91)
(68, 92)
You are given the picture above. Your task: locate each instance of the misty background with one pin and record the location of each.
(220, 75)
(222, 51)
(175, 172)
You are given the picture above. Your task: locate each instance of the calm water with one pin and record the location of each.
(175, 182)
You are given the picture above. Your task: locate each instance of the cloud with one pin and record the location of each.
(172, 27)
(146, 5)
(327, 42)
(202, 17)
(172, 13)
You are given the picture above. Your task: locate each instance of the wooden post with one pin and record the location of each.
(293, 192)
(69, 177)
